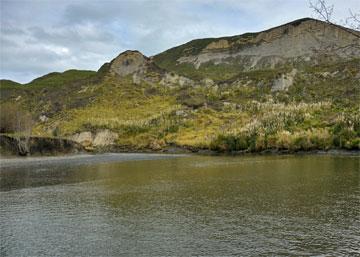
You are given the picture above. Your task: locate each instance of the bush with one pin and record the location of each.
(56, 132)
(228, 143)
(261, 143)
(7, 121)
(300, 142)
(343, 135)
(345, 130)
(14, 120)
(353, 144)
(321, 139)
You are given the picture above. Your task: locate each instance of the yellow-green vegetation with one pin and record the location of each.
(138, 116)
(289, 88)
(292, 127)
(57, 79)
(319, 111)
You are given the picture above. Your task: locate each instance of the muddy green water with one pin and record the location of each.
(181, 206)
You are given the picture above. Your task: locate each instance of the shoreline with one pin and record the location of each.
(81, 159)
(15, 161)
(57, 147)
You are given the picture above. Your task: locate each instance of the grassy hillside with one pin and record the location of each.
(5, 84)
(51, 93)
(319, 111)
(57, 79)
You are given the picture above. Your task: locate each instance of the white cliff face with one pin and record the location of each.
(303, 42)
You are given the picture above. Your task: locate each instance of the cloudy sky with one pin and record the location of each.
(41, 36)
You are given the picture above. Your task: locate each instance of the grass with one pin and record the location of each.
(239, 114)
(57, 79)
(9, 84)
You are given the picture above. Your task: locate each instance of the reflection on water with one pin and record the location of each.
(249, 206)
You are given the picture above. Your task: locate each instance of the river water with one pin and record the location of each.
(159, 205)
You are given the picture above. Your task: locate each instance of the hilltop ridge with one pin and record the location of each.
(302, 42)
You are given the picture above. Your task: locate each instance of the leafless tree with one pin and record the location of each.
(325, 12)
(15, 121)
(24, 125)
(353, 21)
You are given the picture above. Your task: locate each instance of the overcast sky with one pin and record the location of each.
(41, 36)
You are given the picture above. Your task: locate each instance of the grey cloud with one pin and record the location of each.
(7, 29)
(66, 36)
(40, 36)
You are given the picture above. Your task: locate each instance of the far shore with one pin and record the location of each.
(108, 157)
(79, 159)
(48, 148)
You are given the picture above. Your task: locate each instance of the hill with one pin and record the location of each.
(293, 87)
(299, 43)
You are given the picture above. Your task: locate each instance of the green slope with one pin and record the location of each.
(240, 112)
(5, 84)
(317, 112)
(57, 79)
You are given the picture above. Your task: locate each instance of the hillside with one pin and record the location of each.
(293, 87)
(300, 43)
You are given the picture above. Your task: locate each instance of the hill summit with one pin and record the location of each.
(129, 62)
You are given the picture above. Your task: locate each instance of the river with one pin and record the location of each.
(161, 205)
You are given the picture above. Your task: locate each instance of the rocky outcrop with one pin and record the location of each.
(84, 138)
(134, 64)
(102, 138)
(129, 62)
(221, 44)
(208, 82)
(284, 82)
(170, 79)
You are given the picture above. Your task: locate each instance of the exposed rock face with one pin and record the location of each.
(208, 82)
(174, 79)
(129, 62)
(284, 82)
(100, 139)
(105, 138)
(84, 138)
(302, 41)
(134, 63)
(221, 44)
(43, 118)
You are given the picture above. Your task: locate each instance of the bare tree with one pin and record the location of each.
(325, 12)
(15, 121)
(353, 21)
(24, 125)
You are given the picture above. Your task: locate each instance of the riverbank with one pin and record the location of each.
(88, 159)
(11, 146)
(80, 159)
